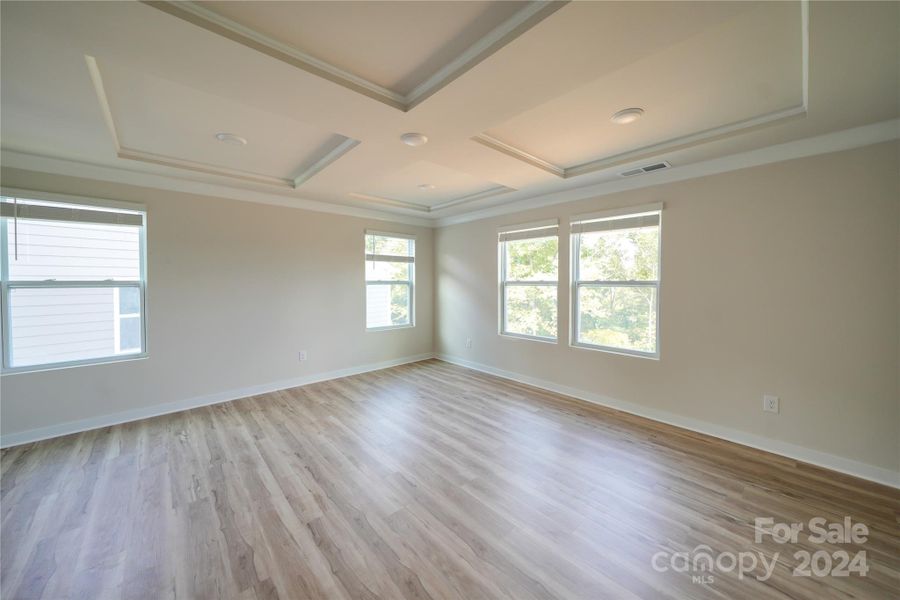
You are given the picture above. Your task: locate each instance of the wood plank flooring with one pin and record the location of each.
(420, 481)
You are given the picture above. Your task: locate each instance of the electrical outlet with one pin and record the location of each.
(302, 355)
(770, 403)
(468, 342)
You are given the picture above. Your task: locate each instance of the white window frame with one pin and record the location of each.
(577, 283)
(411, 282)
(118, 316)
(523, 231)
(6, 286)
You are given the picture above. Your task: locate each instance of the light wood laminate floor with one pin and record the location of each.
(421, 481)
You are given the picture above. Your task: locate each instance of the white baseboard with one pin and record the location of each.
(43, 433)
(807, 455)
(815, 457)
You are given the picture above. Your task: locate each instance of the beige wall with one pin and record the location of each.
(235, 290)
(777, 279)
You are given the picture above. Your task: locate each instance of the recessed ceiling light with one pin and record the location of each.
(413, 139)
(427, 186)
(230, 138)
(627, 115)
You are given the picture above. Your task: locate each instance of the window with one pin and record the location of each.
(529, 257)
(73, 283)
(616, 282)
(127, 303)
(390, 273)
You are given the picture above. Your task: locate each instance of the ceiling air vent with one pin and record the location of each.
(645, 169)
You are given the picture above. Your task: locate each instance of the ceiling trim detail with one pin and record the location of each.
(677, 143)
(343, 148)
(526, 18)
(523, 20)
(16, 159)
(837, 141)
(390, 202)
(178, 163)
(494, 191)
(857, 137)
(488, 193)
(535, 161)
(127, 153)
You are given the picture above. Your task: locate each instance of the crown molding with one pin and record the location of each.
(189, 165)
(195, 14)
(688, 141)
(391, 202)
(527, 17)
(126, 153)
(535, 161)
(524, 19)
(16, 159)
(676, 143)
(847, 139)
(488, 193)
(343, 148)
(102, 99)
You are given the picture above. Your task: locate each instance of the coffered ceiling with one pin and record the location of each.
(714, 73)
(514, 97)
(156, 120)
(407, 55)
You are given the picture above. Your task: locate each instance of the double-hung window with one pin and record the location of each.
(529, 277)
(615, 269)
(390, 276)
(73, 282)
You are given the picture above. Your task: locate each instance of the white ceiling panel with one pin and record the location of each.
(449, 185)
(167, 119)
(396, 45)
(737, 69)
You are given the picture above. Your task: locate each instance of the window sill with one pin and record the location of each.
(389, 328)
(533, 338)
(620, 351)
(73, 364)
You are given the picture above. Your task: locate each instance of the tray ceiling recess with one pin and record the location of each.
(404, 51)
(679, 90)
(722, 85)
(425, 186)
(158, 121)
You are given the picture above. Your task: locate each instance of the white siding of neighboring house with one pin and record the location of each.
(57, 325)
(378, 306)
(61, 324)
